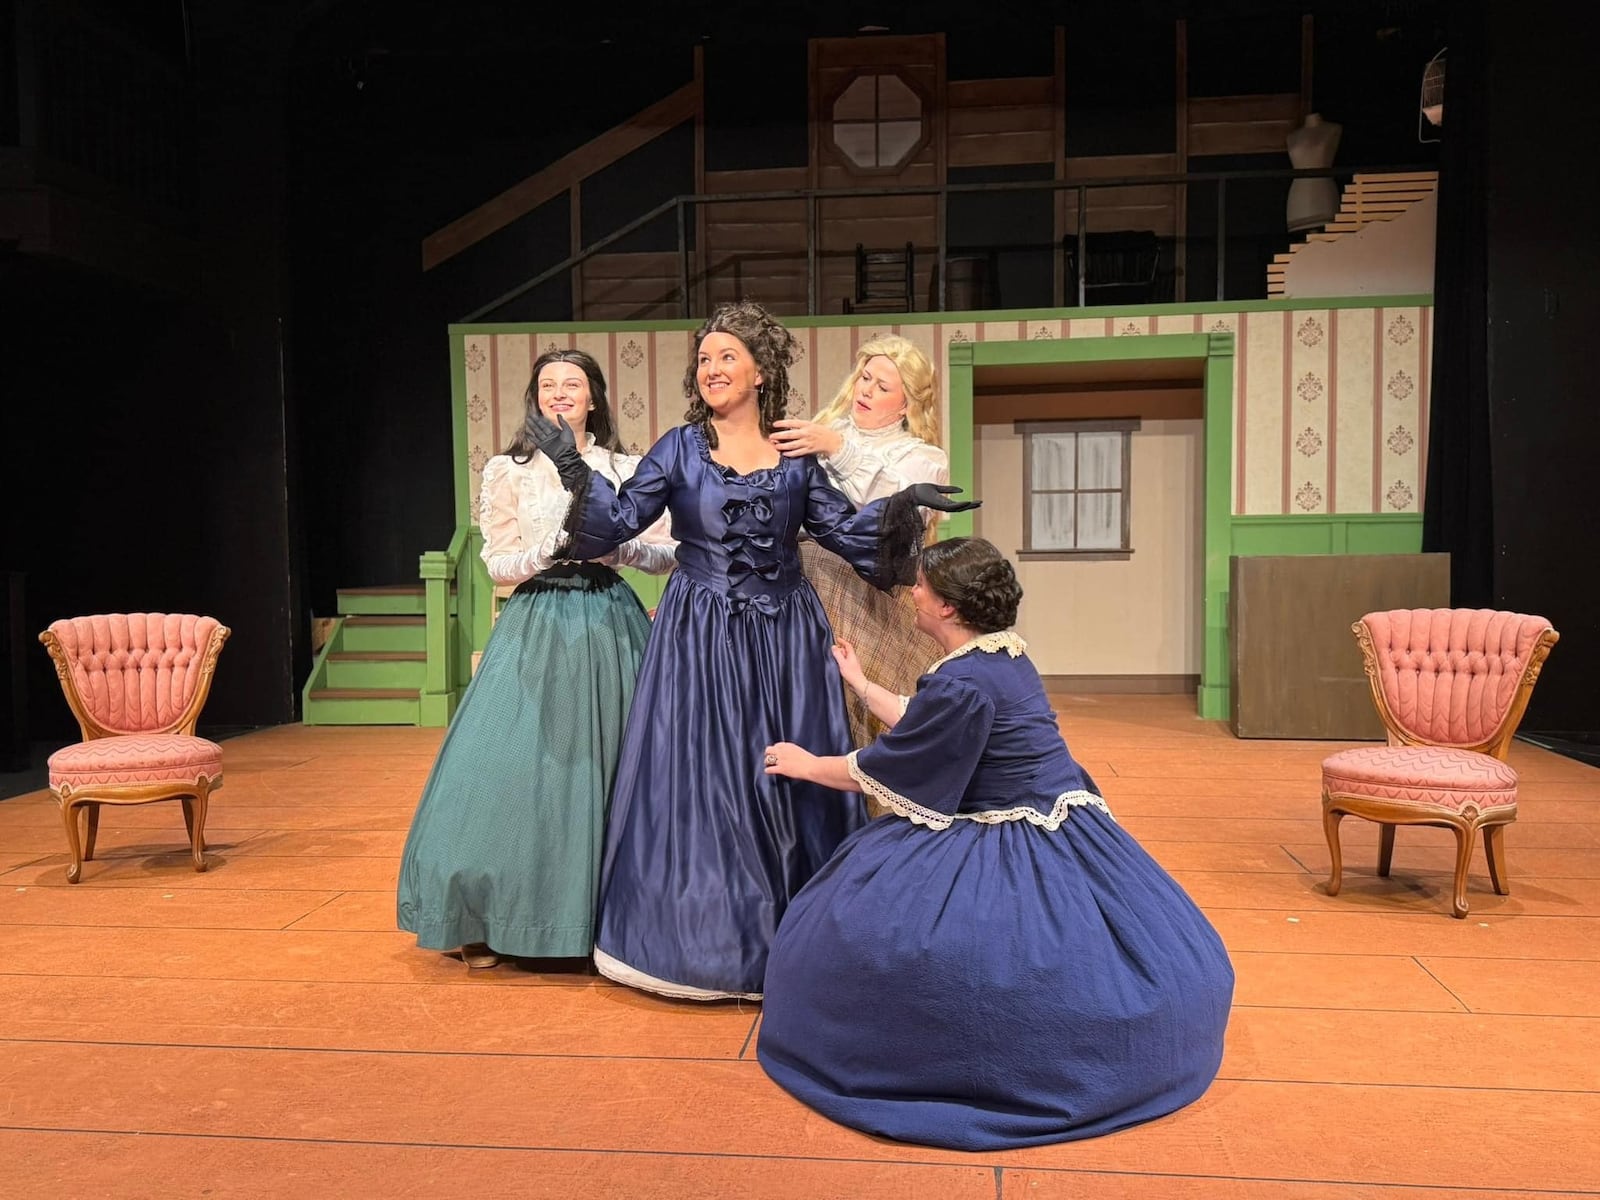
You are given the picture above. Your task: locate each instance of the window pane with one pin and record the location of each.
(895, 140)
(896, 101)
(1052, 460)
(1100, 459)
(858, 143)
(1052, 523)
(1100, 521)
(855, 103)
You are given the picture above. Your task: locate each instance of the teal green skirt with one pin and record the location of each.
(506, 841)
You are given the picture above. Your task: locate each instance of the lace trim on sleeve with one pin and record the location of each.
(485, 507)
(905, 703)
(560, 511)
(892, 800)
(841, 464)
(900, 540)
(493, 472)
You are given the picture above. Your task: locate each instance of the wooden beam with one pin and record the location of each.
(1180, 197)
(1241, 124)
(1058, 159)
(594, 155)
(1150, 402)
(941, 167)
(1029, 92)
(698, 301)
(575, 242)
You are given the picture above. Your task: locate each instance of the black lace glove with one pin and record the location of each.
(560, 446)
(936, 496)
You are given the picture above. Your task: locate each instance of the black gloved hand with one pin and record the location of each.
(560, 446)
(936, 496)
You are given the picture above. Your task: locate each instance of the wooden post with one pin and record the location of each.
(1180, 213)
(1058, 198)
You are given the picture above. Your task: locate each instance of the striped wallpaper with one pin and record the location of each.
(1330, 405)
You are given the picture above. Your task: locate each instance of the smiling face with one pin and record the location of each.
(726, 373)
(564, 392)
(880, 397)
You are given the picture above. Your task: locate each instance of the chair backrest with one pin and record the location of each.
(1458, 677)
(1128, 258)
(135, 672)
(885, 275)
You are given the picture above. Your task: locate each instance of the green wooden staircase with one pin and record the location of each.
(403, 654)
(372, 668)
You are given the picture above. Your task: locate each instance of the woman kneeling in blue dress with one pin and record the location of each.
(994, 963)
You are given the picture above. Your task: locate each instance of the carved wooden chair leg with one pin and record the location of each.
(92, 823)
(194, 816)
(1463, 861)
(1385, 848)
(69, 818)
(1330, 826)
(1494, 850)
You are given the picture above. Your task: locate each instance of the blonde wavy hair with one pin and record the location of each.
(916, 379)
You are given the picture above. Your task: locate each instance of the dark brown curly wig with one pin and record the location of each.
(975, 579)
(770, 344)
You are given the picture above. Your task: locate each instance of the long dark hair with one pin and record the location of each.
(975, 579)
(600, 427)
(770, 344)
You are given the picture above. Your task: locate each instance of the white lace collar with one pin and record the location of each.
(989, 643)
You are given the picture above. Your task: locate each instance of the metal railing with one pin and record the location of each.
(681, 205)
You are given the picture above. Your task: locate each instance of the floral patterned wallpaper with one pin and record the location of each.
(1330, 405)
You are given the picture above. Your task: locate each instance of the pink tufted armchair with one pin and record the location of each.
(1451, 686)
(136, 682)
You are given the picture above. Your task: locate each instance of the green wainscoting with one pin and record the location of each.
(1335, 533)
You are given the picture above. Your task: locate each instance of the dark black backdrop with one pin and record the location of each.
(279, 428)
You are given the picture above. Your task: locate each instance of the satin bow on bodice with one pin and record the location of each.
(755, 555)
(748, 513)
(738, 533)
(748, 541)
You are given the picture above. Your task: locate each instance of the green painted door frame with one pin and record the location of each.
(1215, 351)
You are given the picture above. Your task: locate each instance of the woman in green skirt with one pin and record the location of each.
(504, 852)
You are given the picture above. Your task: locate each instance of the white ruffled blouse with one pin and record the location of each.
(874, 463)
(522, 507)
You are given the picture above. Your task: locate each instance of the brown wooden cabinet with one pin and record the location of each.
(1295, 669)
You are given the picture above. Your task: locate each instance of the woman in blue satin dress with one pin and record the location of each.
(995, 963)
(704, 850)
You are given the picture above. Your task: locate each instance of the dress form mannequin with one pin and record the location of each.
(1312, 202)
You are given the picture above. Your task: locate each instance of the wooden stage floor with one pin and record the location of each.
(263, 1030)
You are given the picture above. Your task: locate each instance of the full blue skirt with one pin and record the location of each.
(994, 986)
(705, 851)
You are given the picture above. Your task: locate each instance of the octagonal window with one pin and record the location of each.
(877, 121)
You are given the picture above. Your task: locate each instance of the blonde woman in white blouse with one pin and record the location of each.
(503, 858)
(879, 436)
